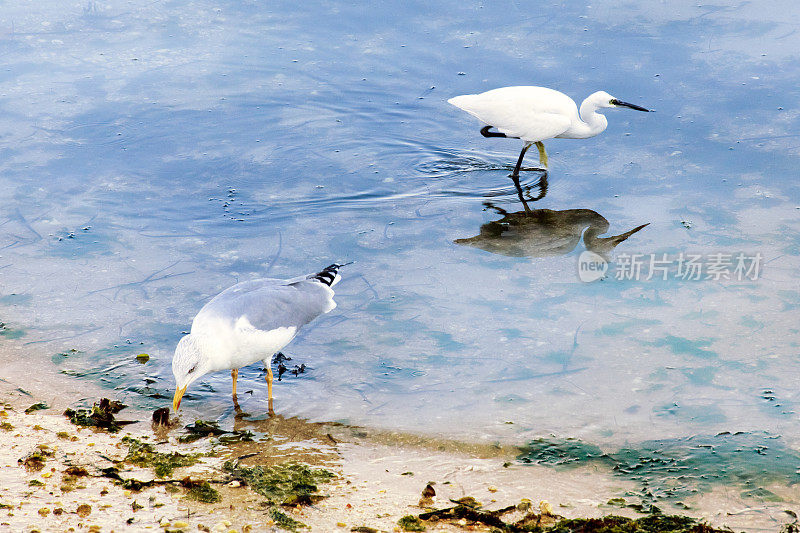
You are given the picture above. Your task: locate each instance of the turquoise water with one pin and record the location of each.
(152, 154)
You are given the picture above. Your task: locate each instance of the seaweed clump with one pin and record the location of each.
(284, 484)
(163, 464)
(411, 523)
(201, 429)
(548, 523)
(201, 491)
(655, 523)
(36, 407)
(35, 461)
(283, 521)
(101, 415)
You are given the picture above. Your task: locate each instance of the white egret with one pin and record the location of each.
(534, 114)
(250, 322)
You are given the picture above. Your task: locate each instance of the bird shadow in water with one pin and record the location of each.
(524, 192)
(545, 232)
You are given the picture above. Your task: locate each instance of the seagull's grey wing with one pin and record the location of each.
(268, 304)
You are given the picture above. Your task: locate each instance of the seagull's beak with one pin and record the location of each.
(620, 103)
(176, 400)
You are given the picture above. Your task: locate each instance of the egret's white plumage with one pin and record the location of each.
(534, 114)
(250, 322)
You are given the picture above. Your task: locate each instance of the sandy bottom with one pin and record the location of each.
(380, 478)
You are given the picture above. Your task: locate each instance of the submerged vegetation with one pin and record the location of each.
(10, 333)
(679, 468)
(201, 429)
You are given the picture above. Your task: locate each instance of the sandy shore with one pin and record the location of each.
(379, 478)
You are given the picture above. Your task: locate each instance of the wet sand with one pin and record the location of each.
(379, 478)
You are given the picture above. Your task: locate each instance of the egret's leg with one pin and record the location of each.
(519, 193)
(234, 377)
(521, 157)
(542, 154)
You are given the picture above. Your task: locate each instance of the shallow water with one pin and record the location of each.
(152, 155)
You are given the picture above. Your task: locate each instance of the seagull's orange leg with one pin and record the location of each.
(269, 389)
(234, 377)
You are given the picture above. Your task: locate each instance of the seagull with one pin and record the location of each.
(534, 114)
(250, 322)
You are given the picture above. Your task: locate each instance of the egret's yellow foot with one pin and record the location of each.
(542, 154)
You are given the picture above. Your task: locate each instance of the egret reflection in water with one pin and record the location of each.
(545, 232)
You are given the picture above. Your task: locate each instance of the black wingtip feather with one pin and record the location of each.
(328, 274)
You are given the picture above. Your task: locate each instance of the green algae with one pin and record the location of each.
(39, 406)
(283, 484)
(410, 523)
(35, 461)
(675, 469)
(10, 333)
(201, 429)
(163, 464)
(556, 452)
(101, 415)
(762, 494)
(283, 521)
(545, 523)
(684, 346)
(62, 356)
(655, 523)
(201, 491)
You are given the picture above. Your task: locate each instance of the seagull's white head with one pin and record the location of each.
(188, 364)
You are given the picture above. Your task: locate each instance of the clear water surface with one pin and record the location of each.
(154, 153)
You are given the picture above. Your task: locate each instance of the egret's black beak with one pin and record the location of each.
(626, 104)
